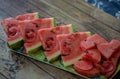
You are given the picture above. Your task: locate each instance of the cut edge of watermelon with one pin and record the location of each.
(53, 22)
(53, 56)
(72, 61)
(16, 43)
(33, 48)
(37, 15)
(11, 42)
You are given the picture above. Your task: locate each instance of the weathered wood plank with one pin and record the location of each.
(97, 14)
(29, 70)
(2, 76)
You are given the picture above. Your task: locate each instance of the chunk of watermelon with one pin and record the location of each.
(12, 31)
(95, 55)
(108, 66)
(30, 37)
(69, 46)
(84, 65)
(92, 41)
(107, 49)
(114, 60)
(49, 41)
(86, 68)
(28, 16)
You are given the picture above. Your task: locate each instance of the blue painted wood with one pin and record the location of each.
(110, 6)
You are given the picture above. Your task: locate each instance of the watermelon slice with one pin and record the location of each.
(69, 46)
(12, 31)
(44, 23)
(92, 42)
(49, 41)
(30, 37)
(107, 49)
(28, 16)
(86, 68)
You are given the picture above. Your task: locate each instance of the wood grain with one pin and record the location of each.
(96, 14)
(84, 18)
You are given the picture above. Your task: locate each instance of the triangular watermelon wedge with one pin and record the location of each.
(14, 38)
(28, 16)
(69, 46)
(49, 41)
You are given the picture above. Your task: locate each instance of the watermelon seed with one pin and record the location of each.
(50, 43)
(36, 25)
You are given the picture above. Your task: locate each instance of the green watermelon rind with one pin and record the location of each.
(17, 43)
(71, 28)
(90, 33)
(33, 49)
(53, 22)
(53, 57)
(37, 15)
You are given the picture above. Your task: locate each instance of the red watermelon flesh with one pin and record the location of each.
(28, 16)
(92, 41)
(44, 23)
(49, 41)
(12, 31)
(95, 55)
(92, 55)
(108, 66)
(30, 36)
(99, 67)
(10, 26)
(85, 56)
(86, 68)
(69, 46)
(84, 65)
(114, 59)
(107, 49)
(29, 31)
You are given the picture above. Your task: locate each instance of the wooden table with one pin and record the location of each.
(83, 16)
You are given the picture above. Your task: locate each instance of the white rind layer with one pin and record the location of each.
(33, 47)
(70, 62)
(14, 41)
(54, 56)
